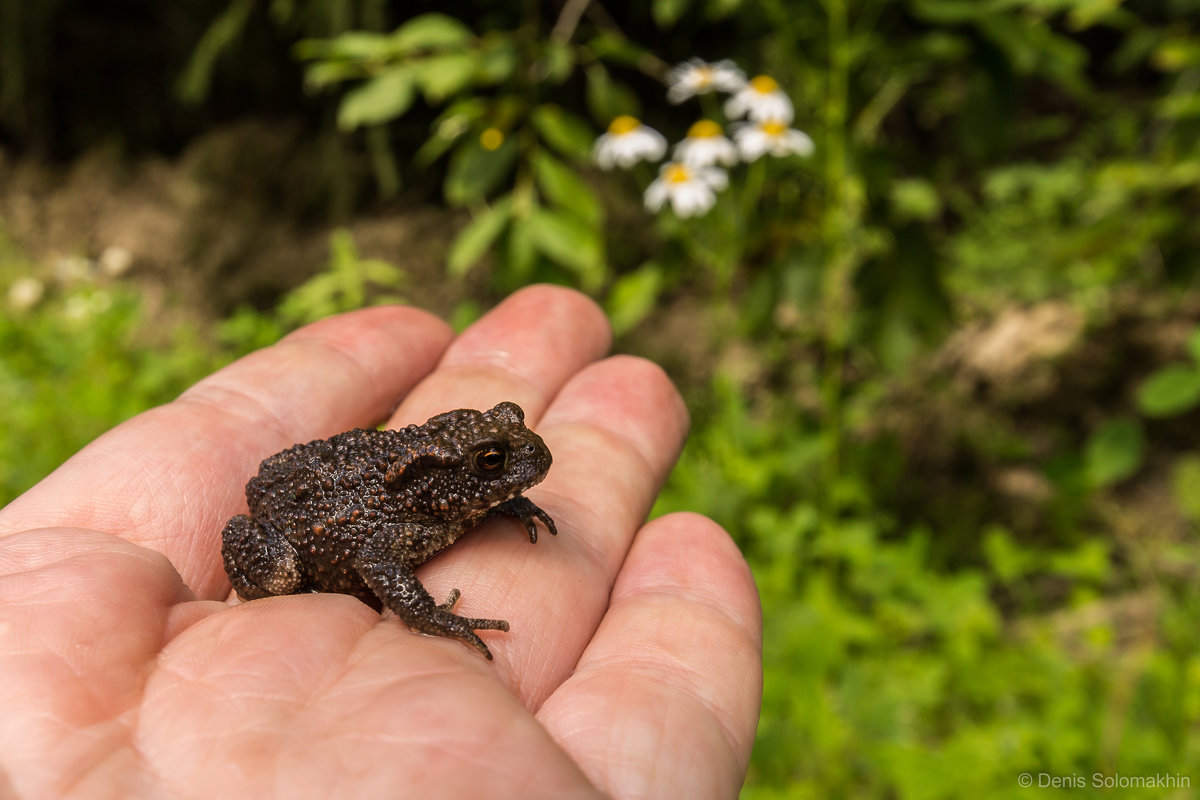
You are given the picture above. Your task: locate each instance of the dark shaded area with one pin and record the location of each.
(74, 73)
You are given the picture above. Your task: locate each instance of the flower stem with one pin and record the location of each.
(748, 201)
(839, 266)
(756, 174)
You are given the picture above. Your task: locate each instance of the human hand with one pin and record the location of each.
(633, 663)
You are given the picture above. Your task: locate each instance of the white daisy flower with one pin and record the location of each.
(756, 139)
(691, 190)
(760, 100)
(697, 76)
(627, 142)
(25, 293)
(115, 261)
(705, 145)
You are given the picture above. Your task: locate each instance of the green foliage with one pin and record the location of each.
(1114, 451)
(634, 297)
(1173, 389)
(892, 674)
(347, 283)
(478, 236)
(194, 83)
(1185, 486)
(564, 132)
(80, 360)
(79, 357)
(477, 168)
(515, 159)
(529, 206)
(382, 98)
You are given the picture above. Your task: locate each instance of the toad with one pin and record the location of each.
(358, 512)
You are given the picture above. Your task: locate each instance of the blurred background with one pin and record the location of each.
(943, 361)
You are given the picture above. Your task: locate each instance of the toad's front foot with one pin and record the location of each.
(526, 511)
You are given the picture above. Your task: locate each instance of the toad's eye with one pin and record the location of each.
(489, 460)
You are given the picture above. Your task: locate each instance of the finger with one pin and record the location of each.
(524, 350)
(170, 477)
(614, 430)
(82, 619)
(665, 700)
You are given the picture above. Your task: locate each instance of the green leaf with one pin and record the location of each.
(1034, 48)
(1090, 561)
(617, 49)
(508, 111)
(1185, 486)
(351, 46)
(434, 148)
(326, 73)
(521, 251)
(460, 114)
(633, 297)
(457, 120)
(220, 36)
(465, 313)
(475, 239)
(667, 12)
(562, 130)
(429, 32)
(557, 62)
(1114, 452)
(443, 75)
(569, 243)
(1176, 53)
(343, 285)
(475, 171)
(915, 199)
(1179, 107)
(607, 99)
(1193, 345)
(1172, 390)
(381, 99)
(565, 188)
(1004, 556)
(383, 161)
(722, 8)
(497, 59)
(381, 272)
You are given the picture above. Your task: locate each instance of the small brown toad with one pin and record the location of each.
(358, 512)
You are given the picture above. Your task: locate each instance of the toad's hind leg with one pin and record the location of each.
(259, 560)
(381, 563)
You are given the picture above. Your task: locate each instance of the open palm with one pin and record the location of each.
(632, 667)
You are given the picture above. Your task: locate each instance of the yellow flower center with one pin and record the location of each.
(491, 139)
(773, 128)
(764, 84)
(677, 173)
(623, 124)
(704, 76)
(704, 129)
